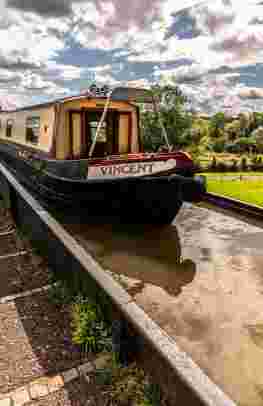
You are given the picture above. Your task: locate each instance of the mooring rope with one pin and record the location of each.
(100, 123)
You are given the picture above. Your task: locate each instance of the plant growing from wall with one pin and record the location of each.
(89, 330)
(125, 386)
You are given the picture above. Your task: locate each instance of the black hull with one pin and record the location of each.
(145, 200)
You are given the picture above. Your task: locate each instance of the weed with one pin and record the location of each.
(152, 393)
(125, 385)
(89, 330)
(59, 293)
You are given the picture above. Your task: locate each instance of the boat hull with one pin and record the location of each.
(129, 200)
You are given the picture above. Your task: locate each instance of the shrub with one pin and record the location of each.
(213, 165)
(219, 145)
(222, 167)
(257, 164)
(243, 164)
(232, 148)
(234, 166)
(89, 330)
(254, 160)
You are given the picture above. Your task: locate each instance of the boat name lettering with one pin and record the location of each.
(127, 169)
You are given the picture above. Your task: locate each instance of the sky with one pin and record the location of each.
(53, 48)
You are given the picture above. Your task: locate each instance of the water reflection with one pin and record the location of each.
(212, 304)
(150, 255)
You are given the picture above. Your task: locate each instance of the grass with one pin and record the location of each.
(246, 190)
(237, 174)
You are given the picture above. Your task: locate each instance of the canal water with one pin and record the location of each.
(201, 280)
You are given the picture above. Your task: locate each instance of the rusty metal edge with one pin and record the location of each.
(183, 366)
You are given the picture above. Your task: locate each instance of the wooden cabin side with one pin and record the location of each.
(73, 136)
(31, 128)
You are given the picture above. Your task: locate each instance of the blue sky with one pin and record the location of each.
(213, 48)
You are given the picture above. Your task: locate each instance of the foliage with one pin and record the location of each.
(234, 166)
(219, 144)
(89, 329)
(232, 147)
(153, 394)
(194, 134)
(244, 164)
(170, 113)
(222, 167)
(59, 293)
(213, 164)
(232, 130)
(245, 143)
(217, 124)
(121, 386)
(257, 134)
(39, 165)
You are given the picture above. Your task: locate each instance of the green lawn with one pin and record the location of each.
(249, 191)
(225, 174)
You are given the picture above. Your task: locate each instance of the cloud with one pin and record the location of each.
(256, 21)
(47, 8)
(58, 71)
(184, 25)
(212, 17)
(53, 47)
(242, 45)
(251, 93)
(111, 24)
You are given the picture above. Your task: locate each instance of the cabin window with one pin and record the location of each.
(32, 129)
(107, 141)
(9, 126)
(102, 135)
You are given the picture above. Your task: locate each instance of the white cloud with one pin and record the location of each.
(66, 72)
(100, 68)
(28, 38)
(136, 32)
(250, 93)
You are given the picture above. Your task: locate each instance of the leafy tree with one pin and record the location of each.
(256, 120)
(258, 136)
(168, 118)
(243, 164)
(244, 122)
(219, 144)
(246, 144)
(232, 130)
(217, 124)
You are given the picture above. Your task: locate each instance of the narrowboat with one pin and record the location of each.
(84, 154)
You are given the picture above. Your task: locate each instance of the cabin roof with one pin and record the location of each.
(121, 93)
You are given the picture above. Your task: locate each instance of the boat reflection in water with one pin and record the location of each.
(148, 256)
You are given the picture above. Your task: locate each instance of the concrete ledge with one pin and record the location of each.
(64, 249)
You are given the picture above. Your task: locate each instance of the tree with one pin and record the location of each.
(168, 118)
(232, 130)
(244, 124)
(246, 144)
(217, 124)
(219, 144)
(258, 136)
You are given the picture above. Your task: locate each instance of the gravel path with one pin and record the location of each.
(34, 332)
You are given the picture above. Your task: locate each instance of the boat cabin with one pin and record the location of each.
(65, 129)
